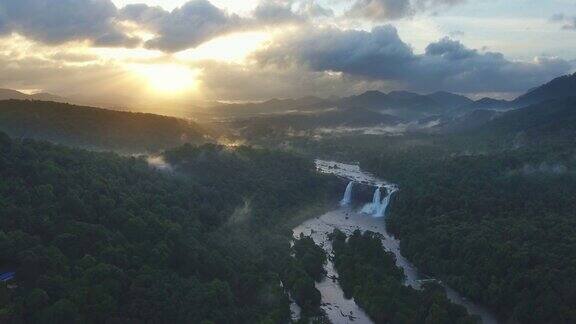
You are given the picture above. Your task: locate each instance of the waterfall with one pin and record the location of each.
(381, 212)
(378, 206)
(347, 195)
(376, 198)
(374, 206)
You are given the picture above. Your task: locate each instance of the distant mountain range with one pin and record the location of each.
(273, 106)
(254, 127)
(403, 104)
(7, 94)
(447, 112)
(441, 111)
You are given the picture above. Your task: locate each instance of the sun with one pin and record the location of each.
(167, 78)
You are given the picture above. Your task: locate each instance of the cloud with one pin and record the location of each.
(199, 21)
(235, 81)
(63, 79)
(385, 10)
(73, 57)
(381, 55)
(436, 4)
(57, 22)
(98, 21)
(568, 23)
(143, 14)
(279, 12)
(3, 23)
(381, 10)
(557, 17)
(194, 23)
(275, 11)
(450, 50)
(457, 33)
(376, 54)
(312, 9)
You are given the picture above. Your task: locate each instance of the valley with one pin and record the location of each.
(476, 228)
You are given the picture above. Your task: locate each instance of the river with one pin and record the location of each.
(348, 219)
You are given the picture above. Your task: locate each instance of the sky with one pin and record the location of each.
(136, 52)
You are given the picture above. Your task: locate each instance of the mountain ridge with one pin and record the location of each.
(11, 94)
(558, 88)
(96, 128)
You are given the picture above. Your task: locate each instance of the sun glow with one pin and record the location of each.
(234, 48)
(167, 78)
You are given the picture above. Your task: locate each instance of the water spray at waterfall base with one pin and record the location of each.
(378, 206)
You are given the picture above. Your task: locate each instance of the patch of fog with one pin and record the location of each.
(241, 213)
(397, 129)
(159, 163)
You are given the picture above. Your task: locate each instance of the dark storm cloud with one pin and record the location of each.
(56, 22)
(185, 27)
(378, 54)
(450, 50)
(384, 10)
(381, 55)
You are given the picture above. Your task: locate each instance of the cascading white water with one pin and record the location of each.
(376, 198)
(347, 195)
(374, 206)
(384, 204)
(378, 206)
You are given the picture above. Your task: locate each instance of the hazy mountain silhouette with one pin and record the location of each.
(450, 100)
(490, 103)
(7, 94)
(559, 88)
(403, 104)
(272, 106)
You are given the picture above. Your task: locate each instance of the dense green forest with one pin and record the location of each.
(94, 237)
(312, 257)
(498, 227)
(369, 274)
(96, 128)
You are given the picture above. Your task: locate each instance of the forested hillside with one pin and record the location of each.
(96, 128)
(94, 237)
(497, 227)
(550, 123)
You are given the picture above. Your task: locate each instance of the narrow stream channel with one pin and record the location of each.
(347, 219)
